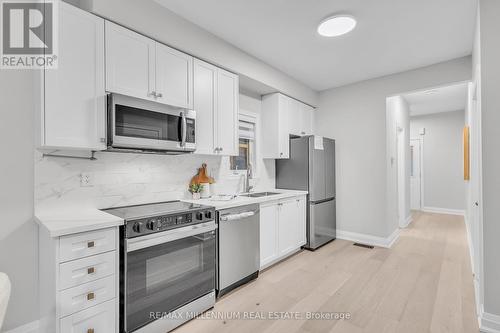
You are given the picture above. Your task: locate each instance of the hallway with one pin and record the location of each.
(422, 284)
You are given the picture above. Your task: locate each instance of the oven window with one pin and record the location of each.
(165, 277)
(139, 123)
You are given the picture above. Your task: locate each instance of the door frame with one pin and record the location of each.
(421, 160)
(401, 175)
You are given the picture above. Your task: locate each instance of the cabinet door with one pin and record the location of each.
(174, 77)
(75, 100)
(283, 128)
(268, 233)
(227, 112)
(288, 226)
(306, 116)
(130, 62)
(294, 114)
(205, 103)
(301, 223)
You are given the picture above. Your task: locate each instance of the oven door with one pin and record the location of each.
(139, 124)
(165, 271)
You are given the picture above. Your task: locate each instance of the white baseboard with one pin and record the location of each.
(369, 239)
(32, 327)
(407, 222)
(439, 210)
(489, 323)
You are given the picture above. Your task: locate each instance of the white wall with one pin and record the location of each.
(397, 116)
(18, 232)
(354, 115)
(154, 20)
(444, 186)
(487, 55)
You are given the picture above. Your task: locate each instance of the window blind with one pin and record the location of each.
(246, 130)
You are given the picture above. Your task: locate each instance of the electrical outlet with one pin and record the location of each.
(86, 179)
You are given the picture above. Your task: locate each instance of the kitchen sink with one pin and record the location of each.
(258, 194)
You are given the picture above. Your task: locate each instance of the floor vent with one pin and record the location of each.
(364, 245)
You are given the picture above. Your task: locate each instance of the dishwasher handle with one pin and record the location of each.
(238, 216)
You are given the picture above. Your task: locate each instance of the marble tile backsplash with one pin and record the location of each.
(118, 179)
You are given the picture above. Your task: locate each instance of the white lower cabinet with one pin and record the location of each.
(78, 279)
(98, 319)
(282, 229)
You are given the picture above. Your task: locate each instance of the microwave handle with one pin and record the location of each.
(183, 129)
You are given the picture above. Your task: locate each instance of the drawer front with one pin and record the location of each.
(97, 319)
(76, 272)
(86, 295)
(86, 244)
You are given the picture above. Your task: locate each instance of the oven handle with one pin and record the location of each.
(183, 129)
(143, 242)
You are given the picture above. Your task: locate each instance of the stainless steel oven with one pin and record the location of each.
(168, 265)
(137, 124)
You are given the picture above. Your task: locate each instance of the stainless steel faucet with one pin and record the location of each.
(248, 174)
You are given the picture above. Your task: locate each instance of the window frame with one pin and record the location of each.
(253, 118)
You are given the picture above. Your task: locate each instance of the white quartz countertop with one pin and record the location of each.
(61, 222)
(66, 221)
(242, 200)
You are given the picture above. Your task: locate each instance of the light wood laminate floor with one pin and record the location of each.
(422, 284)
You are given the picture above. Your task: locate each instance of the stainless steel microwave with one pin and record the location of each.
(141, 125)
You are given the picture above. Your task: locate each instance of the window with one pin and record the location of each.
(246, 158)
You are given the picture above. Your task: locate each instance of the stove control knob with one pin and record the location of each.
(151, 225)
(137, 227)
(199, 216)
(208, 214)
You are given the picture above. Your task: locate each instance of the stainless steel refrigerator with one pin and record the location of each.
(311, 167)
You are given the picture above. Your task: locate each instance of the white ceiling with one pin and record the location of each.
(391, 35)
(443, 99)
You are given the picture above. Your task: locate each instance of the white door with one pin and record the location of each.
(227, 112)
(75, 99)
(130, 62)
(288, 226)
(205, 104)
(174, 77)
(415, 174)
(268, 233)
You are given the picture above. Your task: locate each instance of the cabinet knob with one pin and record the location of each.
(103, 140)
(91, 270)
(90, 296)
(90, 330)
(303, 133)
(220, 148)
(159, 95)
(153, 93)
(90, 244)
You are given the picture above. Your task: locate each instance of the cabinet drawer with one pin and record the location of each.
(86, 295)
(73, 273)
(87, 244)
(97, 319)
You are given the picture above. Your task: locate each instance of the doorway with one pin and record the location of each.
(416, 174)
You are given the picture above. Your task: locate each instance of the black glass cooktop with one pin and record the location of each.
(154, 209)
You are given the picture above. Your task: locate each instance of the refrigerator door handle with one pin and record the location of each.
(317, 202)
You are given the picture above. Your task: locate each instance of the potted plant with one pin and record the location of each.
(195, 190)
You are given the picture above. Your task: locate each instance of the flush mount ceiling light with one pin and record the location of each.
(336, 25)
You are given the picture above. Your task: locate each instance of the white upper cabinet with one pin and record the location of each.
(73, 109)
(306, 119)
(227, 112)
(174, 77)
(140, 67)
(130, 62)
(216, 102)
(205, 104)
(283, 116)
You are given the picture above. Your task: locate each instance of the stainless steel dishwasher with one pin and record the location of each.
(239, 247)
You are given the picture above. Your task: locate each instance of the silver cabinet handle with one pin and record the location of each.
(159, 95)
